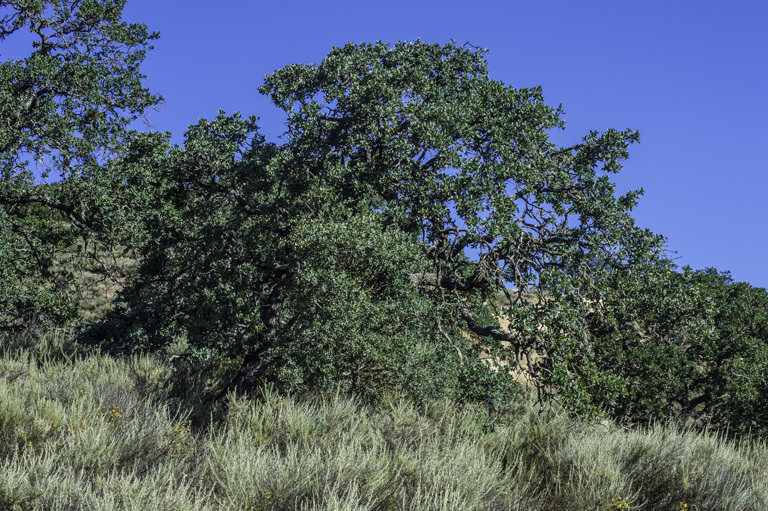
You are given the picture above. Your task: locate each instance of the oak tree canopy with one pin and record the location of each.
(415, 215)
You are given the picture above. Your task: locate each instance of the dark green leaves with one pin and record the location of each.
(415, 216)
(410, 191)
(693, 344)
(64, 112)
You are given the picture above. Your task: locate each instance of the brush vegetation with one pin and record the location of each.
(83, 430)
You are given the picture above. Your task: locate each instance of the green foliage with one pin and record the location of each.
(693, 343)
(65, 110)
(369, 248)
(356, 319)
(349, 316)
(415, 215)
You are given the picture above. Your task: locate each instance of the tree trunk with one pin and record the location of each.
(253, 371)
(248, 377)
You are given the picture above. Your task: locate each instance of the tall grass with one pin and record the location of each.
(82, 430)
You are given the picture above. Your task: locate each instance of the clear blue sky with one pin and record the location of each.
(691, 76)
